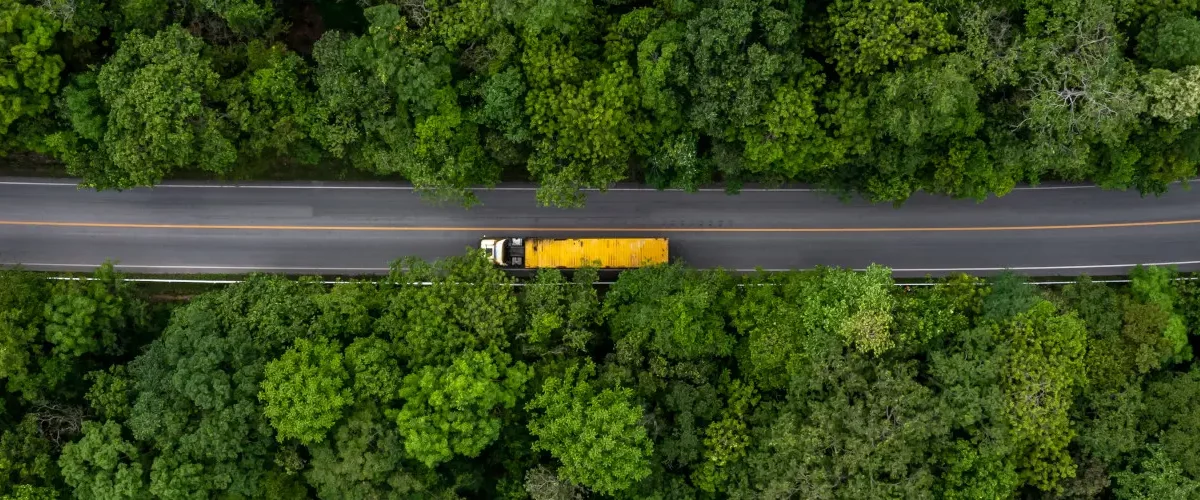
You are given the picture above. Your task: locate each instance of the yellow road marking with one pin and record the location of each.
(241, 227)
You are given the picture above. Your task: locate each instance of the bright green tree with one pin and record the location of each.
(453, 410)
(584, 121)
(595, 434)
(304, 391)
(31, 69)
(1173, 97)
(869, 35)
(1041, 377)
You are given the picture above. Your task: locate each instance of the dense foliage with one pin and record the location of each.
(879, 97)
(443, 382)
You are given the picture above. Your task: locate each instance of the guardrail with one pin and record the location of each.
(429, 283)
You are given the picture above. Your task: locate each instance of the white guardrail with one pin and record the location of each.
(428, 283)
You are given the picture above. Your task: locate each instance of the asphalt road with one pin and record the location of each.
(359, 228)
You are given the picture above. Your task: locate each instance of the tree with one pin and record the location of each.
(669, 312)
(349, 104)
(1079, 91)
(727, 440)
(754, 93)
(542, 484)
(111, 393)
(466, 307)
(561, 315)
(155, 96)
(348, 311)
(305, 390)
(780, 318)
(19, 351)
(374, 369)
(1159, 477)
(794, 319)
(869, 35)
(1139, 349)
(584, 122)
(1041, 376)
(31, 69)
(364, 458)
(1172, 416)
(866, 306)
(867, 436)
(76, 322)
(927, 316)
(86, 316)
(1172, 96)
(1171, 41)
(269, 105)
(27, 462)
(196, 406)
(596, 435)
(1152, 285)
(103, 465)
(913, 110)
(452, 410)
(662, 63)
(388, 100)
(243, 16)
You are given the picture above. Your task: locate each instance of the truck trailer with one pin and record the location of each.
(575, 253)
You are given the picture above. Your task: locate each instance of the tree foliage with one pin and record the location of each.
(154, 96)
(304, 391)
(882, 98)
(452, 410)
(443, 381)
(1041, 377)
(32, 65)
(595, 433)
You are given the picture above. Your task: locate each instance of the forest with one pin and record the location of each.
(879, 98)
(451, 380)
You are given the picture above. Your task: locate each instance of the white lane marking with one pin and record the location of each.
(393, 188)
(1015, 268)
(375, 269)
(1050, 268)
(207, 268)
(23, 183)
(498, 188)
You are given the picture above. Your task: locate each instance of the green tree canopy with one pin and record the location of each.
(452, 410)
(305, 390)
(595, 434)
(31, 65)
(1171, 41)
(155, 98)
(103, 465)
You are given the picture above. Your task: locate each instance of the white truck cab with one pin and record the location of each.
(497, 249)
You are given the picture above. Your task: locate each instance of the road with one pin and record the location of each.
(359, 228)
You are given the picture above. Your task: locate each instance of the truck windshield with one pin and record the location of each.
(498, 252)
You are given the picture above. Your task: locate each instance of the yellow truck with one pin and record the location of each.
(601, 253)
